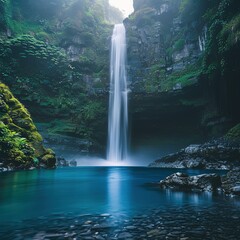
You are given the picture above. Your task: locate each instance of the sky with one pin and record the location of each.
(126, 6)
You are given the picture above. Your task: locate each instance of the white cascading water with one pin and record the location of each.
(118, 98)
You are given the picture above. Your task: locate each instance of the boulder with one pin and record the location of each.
(73, 163)
(182, 181)
(231, 182)
(62, 162)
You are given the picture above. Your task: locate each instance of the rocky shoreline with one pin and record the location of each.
(228, 184)
(219, 154)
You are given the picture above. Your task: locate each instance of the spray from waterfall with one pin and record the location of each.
(118, 98)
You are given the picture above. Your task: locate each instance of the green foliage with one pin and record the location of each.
(15, 115)
(179, 44)
(92, 115)
(21, 27)
(20, 142)
(91, 110)
(224, 35)
(183, 78)
(62, 127)
(230, 34)
(15, 150)
(49, 67)
(27, 50)
(155, 77)
(234, 133)
(221, 66)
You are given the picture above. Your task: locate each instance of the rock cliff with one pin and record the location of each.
(170, 44)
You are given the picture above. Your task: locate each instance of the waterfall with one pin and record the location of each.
(118, 98)
(202, 43)
(202, 39)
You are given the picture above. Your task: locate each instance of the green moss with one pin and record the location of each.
(184, 78)
(20, 27)
(43, 36)
(234, 133)
(15, 150)
(179, 45)
(62, 127)
(20, 142)
(155, 76)
(231, 33)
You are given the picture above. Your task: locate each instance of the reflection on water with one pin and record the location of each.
(196, 198)
(32, 194)
(114, 186)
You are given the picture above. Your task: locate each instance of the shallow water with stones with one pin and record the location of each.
(110, 203)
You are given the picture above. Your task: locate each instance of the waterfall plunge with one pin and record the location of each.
(118, 98)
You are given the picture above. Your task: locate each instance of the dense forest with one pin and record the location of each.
(183, 69)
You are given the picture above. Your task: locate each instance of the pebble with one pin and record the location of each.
(153, 232)
(88, 222)
(99, 237)
(130, 227)
(182, 223)
(54, 235)
(124, 235)
(105, 215)
(103, 226)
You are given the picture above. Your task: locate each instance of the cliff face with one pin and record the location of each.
(164, 61)
(162, 45)
(171, 61)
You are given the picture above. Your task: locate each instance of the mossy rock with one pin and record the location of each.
(15, 150)
(49, 151)
(20, 142)
(49, 160)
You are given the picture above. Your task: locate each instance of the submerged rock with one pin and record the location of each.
(182, 181)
